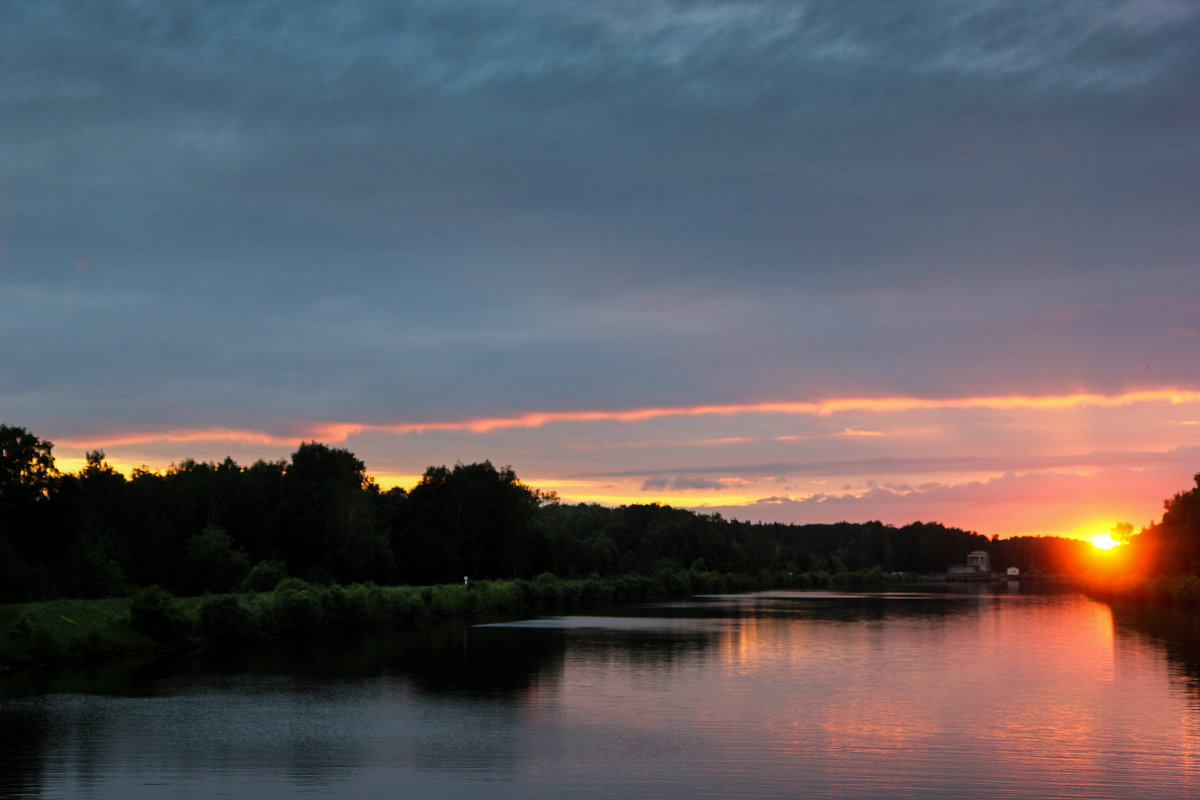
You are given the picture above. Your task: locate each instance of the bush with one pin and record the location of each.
(499, 595)
(367, 603)
(1186, 591)
(225, 619)
(570, 593)
(406, 605)
(32, 639)
(596, 591)
(155, 613)
(672, 581)
(1159, 590)
(213, 563)
(547, 591)
(453, 600)
(292, 585)
(296, 612)
(336, 609)
(528, 594)
(264, 576)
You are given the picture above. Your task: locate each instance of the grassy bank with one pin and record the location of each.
(61, 630)
(151, 620)
(1173, 591)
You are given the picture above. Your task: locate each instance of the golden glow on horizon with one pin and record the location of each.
(630, 491)
(621, 496)
(1039, 497)
(387, 480)
(69, 464)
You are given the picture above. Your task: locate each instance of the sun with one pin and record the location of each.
(1104, 541)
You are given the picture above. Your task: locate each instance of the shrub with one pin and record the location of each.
(547, 591)
(30, 638)
(292, 585)
(336, 610)
(367, 603)
(570, 593)
(296, 612)
(499, 595)
(155, 613)
(671, 582)
(453, 600)
(406, 605)
(844, 580)
(627, 588)
(264, 576)
(1158, 590)
(1186, 591)
(528, 594)
(213, 563)
(595, 591)
(224, 618)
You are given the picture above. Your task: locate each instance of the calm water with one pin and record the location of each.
(965, 694)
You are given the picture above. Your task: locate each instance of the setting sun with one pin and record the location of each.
(1104, 541)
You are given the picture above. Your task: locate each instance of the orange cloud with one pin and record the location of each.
(815, 408)
(178, 435)
(339, 431)
(342, 431)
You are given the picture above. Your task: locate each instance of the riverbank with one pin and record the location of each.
(151, 620)
(1173, 591)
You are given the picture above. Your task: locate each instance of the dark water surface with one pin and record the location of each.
(953, 694)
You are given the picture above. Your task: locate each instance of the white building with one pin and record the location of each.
(980, 561)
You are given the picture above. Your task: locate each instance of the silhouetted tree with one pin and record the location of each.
(27, 480)
(328, 527)
(1172, 546)
(472, 520)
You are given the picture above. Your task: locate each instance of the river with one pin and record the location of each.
(950, 692)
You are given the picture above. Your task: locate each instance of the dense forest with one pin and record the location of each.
(215, 527)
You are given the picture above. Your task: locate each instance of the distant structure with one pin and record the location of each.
(977, 568)
(1014, 573)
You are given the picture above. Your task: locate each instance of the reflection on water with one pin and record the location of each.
(961, 693)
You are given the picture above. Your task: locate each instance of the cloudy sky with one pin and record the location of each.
(800, 261)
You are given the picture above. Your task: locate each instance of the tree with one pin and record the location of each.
(328, 513)
(473, 520)
(213, 563)
(1174, 543)
(27, 479)
(27, 471)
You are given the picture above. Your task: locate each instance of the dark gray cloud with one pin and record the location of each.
(678, 482)
(222, 211)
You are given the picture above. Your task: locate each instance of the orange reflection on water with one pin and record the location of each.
(1024, 694)
(1032, 690)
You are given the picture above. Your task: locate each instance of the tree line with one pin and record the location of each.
(215, 527)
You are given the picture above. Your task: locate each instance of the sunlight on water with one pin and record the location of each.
(903, 695)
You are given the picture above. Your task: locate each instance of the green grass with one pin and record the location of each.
(59, 630)
(92, 630)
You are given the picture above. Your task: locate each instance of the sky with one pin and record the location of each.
(793, 261)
